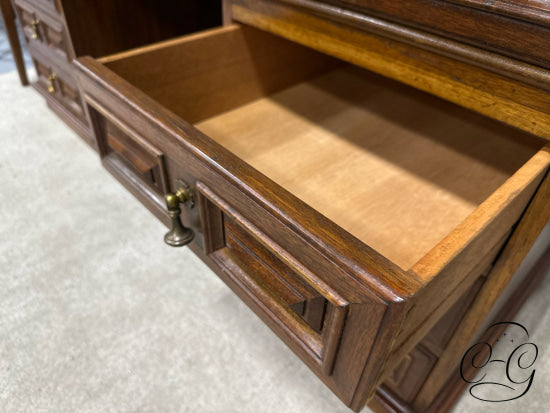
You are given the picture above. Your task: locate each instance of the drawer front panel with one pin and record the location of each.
(43, 30)
(145, 161)
(136, 163)
(56, 84)
(269, 271)
(297, 302)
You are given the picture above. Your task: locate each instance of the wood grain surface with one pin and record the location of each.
(506, 35)
(518, 101)
(396, 168)
(201, 75)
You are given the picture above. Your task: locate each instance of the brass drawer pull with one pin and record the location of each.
(179, 235)
(51, 84)
(35, 34)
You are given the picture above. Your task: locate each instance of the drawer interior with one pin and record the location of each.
(397, 168)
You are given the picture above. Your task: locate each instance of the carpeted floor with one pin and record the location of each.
(98, 315)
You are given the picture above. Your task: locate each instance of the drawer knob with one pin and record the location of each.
(51, 84)
(179, 235)
(35, 34)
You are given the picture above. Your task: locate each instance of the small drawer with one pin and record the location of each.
(342, 207)
(55, 83)
(43, 30)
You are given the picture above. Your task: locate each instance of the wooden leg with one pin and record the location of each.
(9, 22)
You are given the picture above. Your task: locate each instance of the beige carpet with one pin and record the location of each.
(98, 315)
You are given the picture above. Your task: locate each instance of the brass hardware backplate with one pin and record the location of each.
(184, 194)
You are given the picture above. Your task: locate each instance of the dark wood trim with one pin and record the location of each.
(520, 9)
(489, 31)
(321, 347)
(490, 60)
(385, 401)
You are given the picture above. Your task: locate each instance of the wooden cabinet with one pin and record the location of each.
(366, 178)
(349, 211)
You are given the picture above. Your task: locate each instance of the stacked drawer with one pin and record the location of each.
(49, 44)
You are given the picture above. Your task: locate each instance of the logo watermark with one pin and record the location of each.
(504, 372)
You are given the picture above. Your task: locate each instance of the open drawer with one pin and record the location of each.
(345, 209)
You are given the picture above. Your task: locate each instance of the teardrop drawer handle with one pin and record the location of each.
(51, 84)
(35, 34)
(179, 235)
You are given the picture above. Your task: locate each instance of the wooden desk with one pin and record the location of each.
(367, 184)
